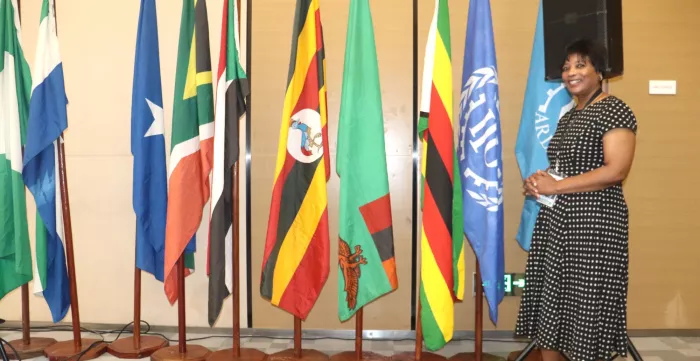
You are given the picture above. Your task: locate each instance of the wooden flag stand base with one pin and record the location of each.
(297, 354)
(137, 346)
(181, 352)
(28, 347)
(236, 353)
(477, 355)
(89, 347)
(418, 355)
(358, 354)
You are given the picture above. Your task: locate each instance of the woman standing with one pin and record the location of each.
(575, 296)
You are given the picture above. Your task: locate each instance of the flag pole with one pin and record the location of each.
(137, 346)
(297, 353)
(27, 347)
(478, 354)
(358, 354)
(418, 354)
(181, 352)
(89, 348)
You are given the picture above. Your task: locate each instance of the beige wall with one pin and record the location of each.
(97, 44)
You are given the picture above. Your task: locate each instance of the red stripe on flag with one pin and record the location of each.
(308, 99)
(303, 289)
(377, 214)
(273, 220)
(441, 131)
(224, 43)
(438, 236)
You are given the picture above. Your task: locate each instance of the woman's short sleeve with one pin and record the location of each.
(617, 115)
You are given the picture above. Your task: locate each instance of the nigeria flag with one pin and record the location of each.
(15, 87)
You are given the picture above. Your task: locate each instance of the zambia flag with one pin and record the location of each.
(15, 87)
(366, 265)
(442, 239)
(191, 143)
(296, 260)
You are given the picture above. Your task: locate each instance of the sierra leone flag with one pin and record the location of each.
(47, 121)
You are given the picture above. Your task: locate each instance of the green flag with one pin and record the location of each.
(366, 266)
(15, 89)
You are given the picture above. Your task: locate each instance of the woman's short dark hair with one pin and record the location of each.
(591, 49)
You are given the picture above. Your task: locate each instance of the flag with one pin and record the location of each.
(295, 264)
(192, 143)
(442, 241)
(366, 264)
(150, 189)
(15, 88)
(480, 153)
(545, 102)
(231, 90)
(47, 121)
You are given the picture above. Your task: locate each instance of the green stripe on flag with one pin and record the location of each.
(15, 80)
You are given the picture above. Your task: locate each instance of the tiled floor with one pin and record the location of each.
(651, 348)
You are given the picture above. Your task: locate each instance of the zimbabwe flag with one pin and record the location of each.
(442, 238)
(296, 260)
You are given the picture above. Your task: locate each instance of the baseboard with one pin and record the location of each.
(389, 335)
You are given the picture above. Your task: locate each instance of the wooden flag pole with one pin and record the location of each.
(358, 354)
(297, 353)
(236, 353)
(181, 352)
(27, 347)
(137, 346)
(90, 348)
(478, 354)
(418, 354)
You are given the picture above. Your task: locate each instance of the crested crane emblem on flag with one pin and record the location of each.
(305, 138)
(350, 265)
(481, 117)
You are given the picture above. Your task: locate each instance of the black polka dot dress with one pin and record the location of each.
(575, 296)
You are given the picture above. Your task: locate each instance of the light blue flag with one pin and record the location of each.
(47, 121)
(545, 102)
(150, 187)
(480, 153)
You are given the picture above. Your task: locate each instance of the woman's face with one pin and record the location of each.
(579, 75)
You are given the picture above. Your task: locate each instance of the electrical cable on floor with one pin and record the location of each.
(147, 331)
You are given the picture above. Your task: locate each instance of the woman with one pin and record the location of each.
(575, 296)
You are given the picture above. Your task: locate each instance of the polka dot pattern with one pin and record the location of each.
(575, 296)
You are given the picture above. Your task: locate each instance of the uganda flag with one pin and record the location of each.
(191, 142)
(442, 239)
(366, 264)
(296, 260)
(231, 90)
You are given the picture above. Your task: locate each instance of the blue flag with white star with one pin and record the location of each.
(480, 153)
(150, 193)
(545, 102)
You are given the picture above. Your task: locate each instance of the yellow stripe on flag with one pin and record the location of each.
(306, 51)
(442, 76)
(460, 274)
(300, 233)
(436, 290)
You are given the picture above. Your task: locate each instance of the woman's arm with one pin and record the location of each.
(618, 152)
